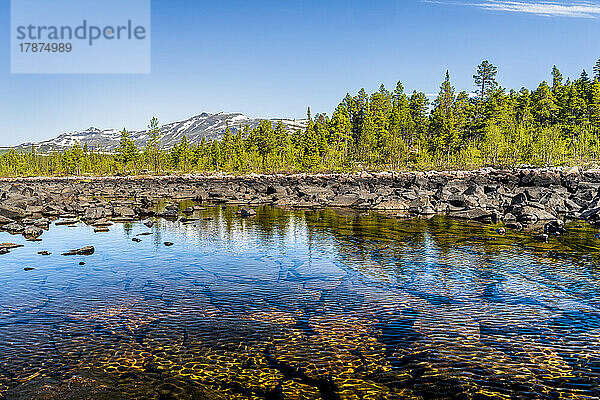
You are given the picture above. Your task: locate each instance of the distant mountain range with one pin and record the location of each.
(210, 126)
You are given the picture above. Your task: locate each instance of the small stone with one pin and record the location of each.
(246, 212)
(137, 240)
(541, 237)
(28, 269)
(81, 263)
(84, 251)
(9, 246)
(102, 229)
(501, 231)
(149, 224)
(66, 222)
(168, 244)
(556, 227)
(168, 214)
(44, 253)
(514, 225)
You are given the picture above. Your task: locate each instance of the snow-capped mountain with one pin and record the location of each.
(210, 126)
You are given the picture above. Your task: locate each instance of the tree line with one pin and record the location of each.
(556, 124)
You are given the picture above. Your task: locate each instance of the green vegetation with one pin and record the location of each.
(555, 124)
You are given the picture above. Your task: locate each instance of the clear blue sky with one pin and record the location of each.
(275, 58)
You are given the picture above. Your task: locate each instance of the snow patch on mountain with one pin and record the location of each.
(205, 125)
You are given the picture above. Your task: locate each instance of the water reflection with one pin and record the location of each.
(300, 305)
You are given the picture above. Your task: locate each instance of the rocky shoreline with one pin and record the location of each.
(539, 199)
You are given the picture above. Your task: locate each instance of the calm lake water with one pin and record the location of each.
(300, 305)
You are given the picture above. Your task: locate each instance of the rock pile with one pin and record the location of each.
(513, 197)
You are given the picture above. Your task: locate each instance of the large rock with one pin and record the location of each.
(32, 231)
(475, 214)
(532, 214)
(34, 209)
(94, 213)
(14, 228)
(392, 205)
(12, 212)
(123, 212)
(345, 200)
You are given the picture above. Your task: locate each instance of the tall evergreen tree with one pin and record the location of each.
(445, 136)
(485, 79)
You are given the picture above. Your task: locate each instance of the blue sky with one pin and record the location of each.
(275, 58)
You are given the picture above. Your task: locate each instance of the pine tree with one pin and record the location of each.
(418, 113)
(445, 136)
(127, 151)
(485, 79)
(557, 79)
(544, 107)
(152, 151)
(597, 70)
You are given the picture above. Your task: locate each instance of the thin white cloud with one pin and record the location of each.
(567, 9)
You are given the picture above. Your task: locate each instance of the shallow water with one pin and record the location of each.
(300, 305)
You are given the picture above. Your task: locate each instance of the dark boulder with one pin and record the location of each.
(475, 214)
(556, 227)
(84, 251)
(246, 212)
(12, 212)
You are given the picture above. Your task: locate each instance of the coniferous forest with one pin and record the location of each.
(556, 124)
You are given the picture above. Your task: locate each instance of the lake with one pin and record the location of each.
(300, 305)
